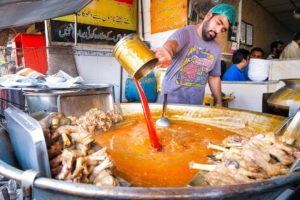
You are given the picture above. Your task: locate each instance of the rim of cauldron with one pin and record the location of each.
(86, 190)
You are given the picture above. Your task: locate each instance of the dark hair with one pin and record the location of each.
(296, 36)
(257, 49)
(239, 55)
(275, 44)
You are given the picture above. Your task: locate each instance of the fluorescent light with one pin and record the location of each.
(296, 14)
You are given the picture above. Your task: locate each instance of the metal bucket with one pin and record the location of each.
(136, 58)
(47, 188)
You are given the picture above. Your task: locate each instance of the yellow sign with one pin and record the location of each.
(168, 15)
(121, 14)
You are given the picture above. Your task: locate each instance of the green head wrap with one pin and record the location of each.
(226, 10)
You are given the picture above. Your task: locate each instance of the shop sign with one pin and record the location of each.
(100, 22)
(168, 15)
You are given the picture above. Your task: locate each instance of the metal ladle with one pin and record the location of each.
(163, 121)
(293, 112)
(293, 130)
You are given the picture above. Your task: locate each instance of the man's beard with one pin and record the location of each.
(206, 33)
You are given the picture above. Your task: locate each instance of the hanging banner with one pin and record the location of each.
(100, 22)
(168, 15)
(88, 34)
(120, 14)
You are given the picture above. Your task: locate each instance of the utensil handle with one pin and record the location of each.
(289, 193)
(164, 104)
(5, 193)
(296, 166)
(283, 124)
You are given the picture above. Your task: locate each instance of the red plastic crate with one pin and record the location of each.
(33, 48)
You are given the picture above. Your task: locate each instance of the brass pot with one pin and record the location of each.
(134, 56)
(287, 95)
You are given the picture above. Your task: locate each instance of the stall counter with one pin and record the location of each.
(248, 95)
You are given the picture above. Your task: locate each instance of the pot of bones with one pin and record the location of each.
(101, 154)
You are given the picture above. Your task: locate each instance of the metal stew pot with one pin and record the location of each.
(68, 100)
(287, 95)
(47, 188)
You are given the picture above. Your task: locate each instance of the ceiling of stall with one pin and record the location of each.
(283, 10)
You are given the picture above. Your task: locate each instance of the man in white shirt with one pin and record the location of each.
(292, 50)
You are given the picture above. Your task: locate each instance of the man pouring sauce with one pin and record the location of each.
(193, 58)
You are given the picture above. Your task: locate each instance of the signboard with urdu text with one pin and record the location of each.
(102, 21)
(168, 15)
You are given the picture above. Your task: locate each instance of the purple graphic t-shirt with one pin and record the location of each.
(187, 76)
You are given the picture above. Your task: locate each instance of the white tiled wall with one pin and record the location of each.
(158, 39)
(147, 18)
(97, 69)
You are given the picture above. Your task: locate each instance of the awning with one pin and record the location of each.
(22, 12)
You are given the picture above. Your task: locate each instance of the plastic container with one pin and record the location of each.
(258, 69)
(31, 51)
(149, 85)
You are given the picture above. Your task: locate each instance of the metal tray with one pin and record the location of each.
(70, 102)
(28, 141)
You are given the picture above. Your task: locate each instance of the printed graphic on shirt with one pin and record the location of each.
(195, 68)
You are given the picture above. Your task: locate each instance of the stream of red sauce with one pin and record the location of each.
(148, 118)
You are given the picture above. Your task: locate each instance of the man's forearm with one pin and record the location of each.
(215, 87)
(165, 54)
(171, 46)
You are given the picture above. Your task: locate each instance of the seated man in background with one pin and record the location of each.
(292, 50)
(255, 52)
(240, 60)
(276, 49)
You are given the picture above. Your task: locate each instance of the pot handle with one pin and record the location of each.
(289, 193)
(5, 194)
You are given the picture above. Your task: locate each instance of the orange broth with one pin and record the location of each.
(136, 161)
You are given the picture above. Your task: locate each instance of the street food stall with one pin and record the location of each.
(76, 141)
